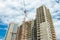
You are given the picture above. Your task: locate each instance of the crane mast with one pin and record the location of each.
(24, 26)
(23, 37)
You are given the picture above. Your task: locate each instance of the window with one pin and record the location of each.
(38, 39)
(13, 36)
(38, 36)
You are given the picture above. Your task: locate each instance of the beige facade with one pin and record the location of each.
(27, 31)
(44, 24)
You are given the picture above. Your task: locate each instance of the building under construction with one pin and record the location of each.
(39, 29)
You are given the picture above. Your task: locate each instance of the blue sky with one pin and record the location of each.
(12, 11)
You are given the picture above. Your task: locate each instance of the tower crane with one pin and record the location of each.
(24, 26)
(23, 37)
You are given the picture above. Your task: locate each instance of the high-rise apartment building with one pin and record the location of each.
(39, 29)
(12, 31)
(43, 25)
(27, 31)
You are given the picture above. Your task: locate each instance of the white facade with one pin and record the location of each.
(11, 33)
